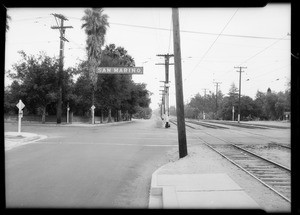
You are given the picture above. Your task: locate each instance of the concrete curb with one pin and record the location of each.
(95, 125)
(29, 138)
(155, 194)
(75, 124)
(197, 191)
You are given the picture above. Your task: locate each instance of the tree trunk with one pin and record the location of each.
(44, 115)
(120, 115)
(109, 115)
(101, 119)
(126, 116)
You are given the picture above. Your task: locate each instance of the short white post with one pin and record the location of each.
(20, 106)
(19, 122)
(93, 114)
(68, 109)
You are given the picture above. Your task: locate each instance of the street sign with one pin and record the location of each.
(120, 70)
(93, 107)
(20, 105)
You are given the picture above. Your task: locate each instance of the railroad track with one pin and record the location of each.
(248, 125)
(256, 134)
(206, 124)
(271, 174)
(281, 145)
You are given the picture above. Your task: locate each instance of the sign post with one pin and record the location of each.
(232, 113)
(93, 114)
(20, 106)
(68, 109)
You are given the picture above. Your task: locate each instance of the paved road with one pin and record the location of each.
(86, 167)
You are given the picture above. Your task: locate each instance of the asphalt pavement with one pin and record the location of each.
(86, 167)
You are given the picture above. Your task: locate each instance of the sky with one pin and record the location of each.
(213, 42)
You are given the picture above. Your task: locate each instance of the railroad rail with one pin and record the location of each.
(248, 125)
(249, 132)
(206, 124)
(271, 174)
(281, 145)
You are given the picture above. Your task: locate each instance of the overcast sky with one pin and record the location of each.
(213, 42)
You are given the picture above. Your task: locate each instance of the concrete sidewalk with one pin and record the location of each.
(196, 182)
(14, 139)
(198, 191)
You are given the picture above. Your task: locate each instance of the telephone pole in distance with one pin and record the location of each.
(204, 102)
(217, 85)
(167, 63)
(240, 71)
(62, 30)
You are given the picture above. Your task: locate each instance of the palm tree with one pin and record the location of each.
(7, 18)
(95, 26)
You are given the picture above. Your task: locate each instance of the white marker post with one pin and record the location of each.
(68, 109)
(20, 105)
(232, 113)
(93, 114)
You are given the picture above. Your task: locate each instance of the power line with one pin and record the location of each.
(170, 36)
(193, 32)
(27, 19)
(211, 45)
(279, 68)
(261, 51)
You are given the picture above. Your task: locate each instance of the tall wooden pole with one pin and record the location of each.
(60, 76)
(239, 110)
(61, 63)
(178, 85)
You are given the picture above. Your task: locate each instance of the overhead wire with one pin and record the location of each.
(26, 19)
(195, 32)
(211, 45)
(170, 35)
(261, 51)
(189, 31)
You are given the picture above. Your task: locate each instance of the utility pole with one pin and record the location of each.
(217, 85)
(163, 102)
(178, 85)
(240, 71)
(204, 102)
(167, 63)
(61, 28)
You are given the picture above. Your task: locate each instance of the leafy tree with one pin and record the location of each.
(248, 108)
(143, 113)
(114, 93)
(115, 89)
(35, 82)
